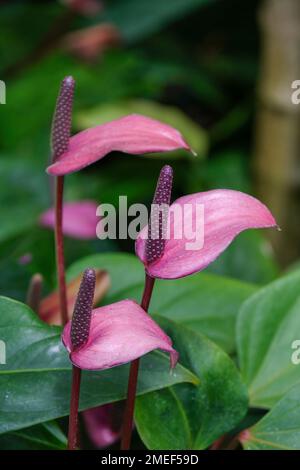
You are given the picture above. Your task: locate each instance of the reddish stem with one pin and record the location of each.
(73, 419)
(133, 375)
(59, 247)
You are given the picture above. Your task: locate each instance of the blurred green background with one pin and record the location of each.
(192, 63)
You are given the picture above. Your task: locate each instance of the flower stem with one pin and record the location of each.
(73, 419)
(133, 375)
(59, 247)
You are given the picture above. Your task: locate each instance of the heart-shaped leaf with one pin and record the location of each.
(268, 324)
(36, 379)
(199, 414)
(279, 429)
(205, 302)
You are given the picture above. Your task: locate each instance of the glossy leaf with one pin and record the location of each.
(205, 302)
(162, 422)
(45, 436)
(279, 429)
(268, 324)
(35, 381)
(201, 413)
(249, 258)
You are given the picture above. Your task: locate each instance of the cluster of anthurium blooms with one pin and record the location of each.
(124, 331)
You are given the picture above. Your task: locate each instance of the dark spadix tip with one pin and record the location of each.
(62, 119)
(81, 321)
(157, 227)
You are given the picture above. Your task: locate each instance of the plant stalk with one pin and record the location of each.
(59, 248)
(73, 418)
(133, 375)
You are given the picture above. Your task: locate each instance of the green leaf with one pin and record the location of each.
(279, 429)
(139, 18)
(25, 201)
(228, 169)
(162, 422)
(268, 324)
(40, 437)
(249, 258)
(199, 414)
(36, 379)
(204, 302)
(192, 132)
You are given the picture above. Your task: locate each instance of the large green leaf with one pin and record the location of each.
(162, 422)
(35, 381)
(205, 302)
(193, 133)
(40, 437)
(279, 429)
(268, 324)
(199, 414)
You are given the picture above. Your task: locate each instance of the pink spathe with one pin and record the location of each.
(104, 423)
(79, 219)
(226, 213)
(119, 333)
(133, 134)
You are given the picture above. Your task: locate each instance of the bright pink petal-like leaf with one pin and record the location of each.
(103, 423)
(223, 216)
(134, 134)
(119, 333)
(79, 219)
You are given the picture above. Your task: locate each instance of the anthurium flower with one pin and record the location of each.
(49, 307)
(226, 213)
(79, 219)
(119, 333)
(134, 134)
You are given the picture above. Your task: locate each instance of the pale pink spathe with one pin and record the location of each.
(79, 219)
(134, 134)
(119, 333)
(226, 214)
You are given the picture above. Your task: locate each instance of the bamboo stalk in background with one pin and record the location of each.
(277, 152)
